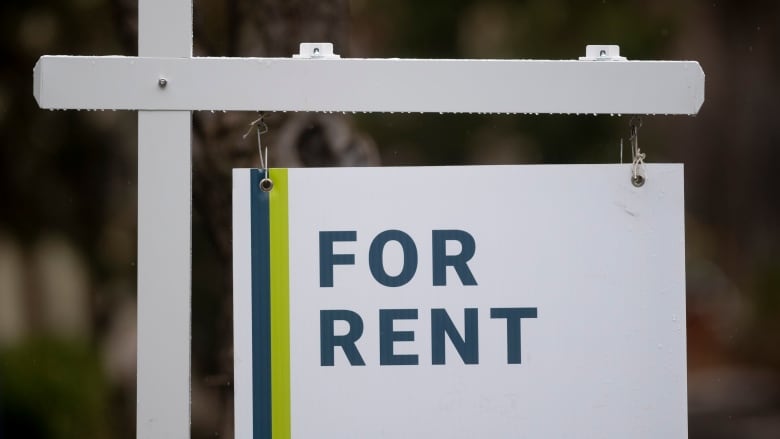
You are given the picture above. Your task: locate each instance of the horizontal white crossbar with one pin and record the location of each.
(369, 85)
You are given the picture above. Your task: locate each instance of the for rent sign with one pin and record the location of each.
(496, 301)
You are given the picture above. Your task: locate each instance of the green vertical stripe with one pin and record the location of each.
(280, 307)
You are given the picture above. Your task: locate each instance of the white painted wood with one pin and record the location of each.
(164, 274)
(371, 85)
(165, 28)
(164, 237)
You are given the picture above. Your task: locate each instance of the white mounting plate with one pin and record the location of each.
(370, 85)
(602, 52)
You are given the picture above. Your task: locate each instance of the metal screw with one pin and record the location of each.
(162, 82)
(266, 185)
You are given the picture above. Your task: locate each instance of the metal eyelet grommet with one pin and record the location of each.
(266, 185)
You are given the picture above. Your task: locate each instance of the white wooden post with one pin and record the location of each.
(164, 235)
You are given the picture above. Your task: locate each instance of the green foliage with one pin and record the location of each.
(52, 389)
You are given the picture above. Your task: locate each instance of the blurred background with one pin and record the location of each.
(68, 185)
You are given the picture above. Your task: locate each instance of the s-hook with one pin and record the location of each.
(638, 158)
(260, 127)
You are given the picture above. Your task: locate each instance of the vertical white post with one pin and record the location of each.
(164, 234)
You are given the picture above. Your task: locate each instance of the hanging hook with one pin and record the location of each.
(261, 128)
(638, 157)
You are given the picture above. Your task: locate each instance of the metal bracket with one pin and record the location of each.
(316, 51)
(601, 52)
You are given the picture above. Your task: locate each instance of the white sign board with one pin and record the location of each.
(460, 302)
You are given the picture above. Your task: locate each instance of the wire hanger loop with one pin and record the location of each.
(260, 127)
(638, 177)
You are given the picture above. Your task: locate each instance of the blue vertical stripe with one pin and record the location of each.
(261, 306)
